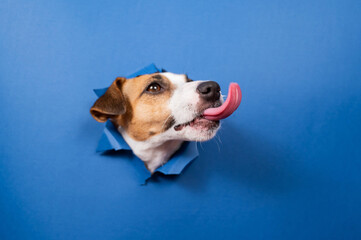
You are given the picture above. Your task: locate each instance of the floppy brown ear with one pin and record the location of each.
(111, 104)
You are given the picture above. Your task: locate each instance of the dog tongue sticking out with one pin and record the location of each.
(228, 107)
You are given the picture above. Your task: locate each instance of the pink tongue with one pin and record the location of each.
(228, 107)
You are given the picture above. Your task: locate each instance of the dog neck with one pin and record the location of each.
(155, 151)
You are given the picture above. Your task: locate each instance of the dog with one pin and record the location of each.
(155, 113)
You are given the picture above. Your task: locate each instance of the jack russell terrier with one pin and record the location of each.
(156, 112)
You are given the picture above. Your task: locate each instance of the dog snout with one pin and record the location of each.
(209, 91)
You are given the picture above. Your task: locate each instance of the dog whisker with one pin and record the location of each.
(218, 144)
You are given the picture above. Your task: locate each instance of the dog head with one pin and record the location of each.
(166, 105)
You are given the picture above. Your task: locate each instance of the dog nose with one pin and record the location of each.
(209, 91)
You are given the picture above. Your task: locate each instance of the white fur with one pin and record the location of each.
(183, 104)
(155, 151)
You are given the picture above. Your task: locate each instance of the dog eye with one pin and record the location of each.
(154, 87)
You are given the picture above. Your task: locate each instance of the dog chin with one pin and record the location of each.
(199, 129)
(199, 135)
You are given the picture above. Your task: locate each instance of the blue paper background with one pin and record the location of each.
(286, 165)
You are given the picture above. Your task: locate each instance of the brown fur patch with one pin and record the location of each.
(146, 114)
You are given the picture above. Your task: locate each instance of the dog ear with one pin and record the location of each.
(111, 104)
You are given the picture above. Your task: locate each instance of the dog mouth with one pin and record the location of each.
(199, 123)
(209, 119)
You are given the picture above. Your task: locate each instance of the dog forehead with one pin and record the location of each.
(175, 79)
